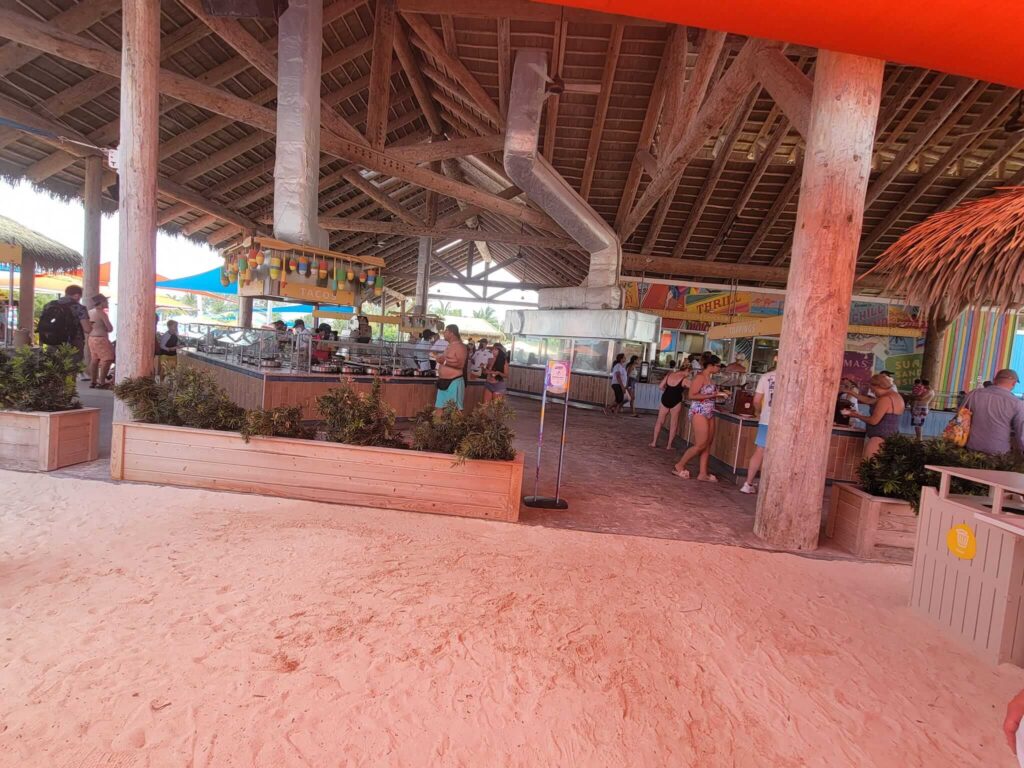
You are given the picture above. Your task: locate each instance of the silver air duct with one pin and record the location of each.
(546, 187)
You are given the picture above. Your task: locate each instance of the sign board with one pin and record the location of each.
(556, 377)
(858, 366)
(10, 254)
(757, 326)
(960, 542)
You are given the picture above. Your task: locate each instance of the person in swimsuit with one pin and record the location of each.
(703, 395)
(886, 410)
(672, 387)
(451, 370)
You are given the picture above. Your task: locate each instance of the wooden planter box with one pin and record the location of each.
(44, 441)
(413, 481)
(871, 526)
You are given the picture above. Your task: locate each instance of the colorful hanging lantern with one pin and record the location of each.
(224, 279)
(304, 265)
(378, 287)
(362, 276)
(293, 263)
(321, 269)
(351, 274)
(260, 257)
(371, 277)
(233, 267)
(275, 267)
(333, 282)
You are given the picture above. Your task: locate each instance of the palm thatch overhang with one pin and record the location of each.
(628, 86)
(49, 255)
(972, 255)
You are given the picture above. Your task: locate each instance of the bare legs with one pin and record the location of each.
(871, 446)
(703, 434)
(98, 371)
(673, 425)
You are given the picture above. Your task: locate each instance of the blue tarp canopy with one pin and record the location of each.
(207, 282)
(306, 309)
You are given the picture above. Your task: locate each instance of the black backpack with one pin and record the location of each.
(57, 324)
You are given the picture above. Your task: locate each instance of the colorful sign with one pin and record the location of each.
(556, 377)
(906, 367)
(858, 366)
(960, 542)
(10, 254)
(756, 326)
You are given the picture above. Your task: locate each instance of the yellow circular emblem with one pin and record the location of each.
(961, 542)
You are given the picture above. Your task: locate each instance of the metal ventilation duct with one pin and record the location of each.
(546, 187)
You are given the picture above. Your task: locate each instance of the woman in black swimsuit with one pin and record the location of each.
(672, 387)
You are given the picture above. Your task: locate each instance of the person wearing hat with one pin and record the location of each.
(101, 351)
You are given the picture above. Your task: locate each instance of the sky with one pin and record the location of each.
(175, 256)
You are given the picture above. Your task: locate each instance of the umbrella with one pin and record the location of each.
(971, 255)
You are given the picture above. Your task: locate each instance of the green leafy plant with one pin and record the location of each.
(439, 432)
(183, 398)
(485, 433)
(40, 379)
(898, 471)
(277, 422)
(358, 418)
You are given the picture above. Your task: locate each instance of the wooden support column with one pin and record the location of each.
(245, 311)
(931, 360)
(837, 166)
(91, 244)
(139, 146)
(27, 294)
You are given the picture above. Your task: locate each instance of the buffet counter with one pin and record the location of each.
(733, 446)
(252, 387)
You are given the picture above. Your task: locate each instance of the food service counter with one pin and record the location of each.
(592, 389)
(252, 387)
(733, 445)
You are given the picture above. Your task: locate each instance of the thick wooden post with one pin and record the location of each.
(245, 311)
(932, 358)
(837, 166)
(91, 241)
(136, 259)
(27, 293)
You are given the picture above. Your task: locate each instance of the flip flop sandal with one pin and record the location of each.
(684, 474)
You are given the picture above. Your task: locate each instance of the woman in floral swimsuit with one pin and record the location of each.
(703, 394)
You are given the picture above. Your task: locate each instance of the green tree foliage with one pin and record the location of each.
(284, 421)
(358, 418)
(40, 379)
(484, 433)
(183, 398)
(488, 314)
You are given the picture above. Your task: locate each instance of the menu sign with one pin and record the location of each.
(556, 377)
(858, 366)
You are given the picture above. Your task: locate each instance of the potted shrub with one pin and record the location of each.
(43, 426)
(878, 519)
(187, 432)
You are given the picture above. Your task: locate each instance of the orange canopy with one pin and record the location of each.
(980, 40)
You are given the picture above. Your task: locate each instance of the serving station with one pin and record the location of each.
(267, 369)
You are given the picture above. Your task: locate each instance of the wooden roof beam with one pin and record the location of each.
(731, 135)
(98, 57)
(554, 101)
(723, 99)
(429, 41)
(445, 150)
(380, 73)
(375, 226)
(410, 66)
(77, 18)
(504, 64)
(924, 183)
(353, 177)
(673, 65)
(782, 201)
(1010, 144)
(238, 38)
(918, 141)
(685, 98)
(611, 61)
(788, 85)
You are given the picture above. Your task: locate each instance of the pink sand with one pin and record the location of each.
(146, 626)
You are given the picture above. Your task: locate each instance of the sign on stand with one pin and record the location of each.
(557, 378)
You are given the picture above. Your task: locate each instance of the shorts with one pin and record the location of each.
(918, 415)
(620, 394)
(101, 349)
(497, 387)
(761, 441)
(454, 394)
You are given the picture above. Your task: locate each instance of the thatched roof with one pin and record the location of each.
(970, 255)
(48, 254)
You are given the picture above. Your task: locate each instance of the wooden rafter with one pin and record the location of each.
(673, 62)
(353, 177)
(788, 85)
(444, 150)
(421, 229)
(723, 99)
(77, 18)
(604, 98)
(782, 201)
(428, 39)
(97, 57)
(410, 66)
(1009, 145)
(553, 103)
(234, 34)
(732, 135)
(504, 64)
(380, 73)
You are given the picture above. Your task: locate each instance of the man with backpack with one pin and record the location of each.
(66, 321)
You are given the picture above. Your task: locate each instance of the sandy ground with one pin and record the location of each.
(146, 626)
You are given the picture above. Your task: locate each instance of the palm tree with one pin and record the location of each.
(444, 309)
(488, 314)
